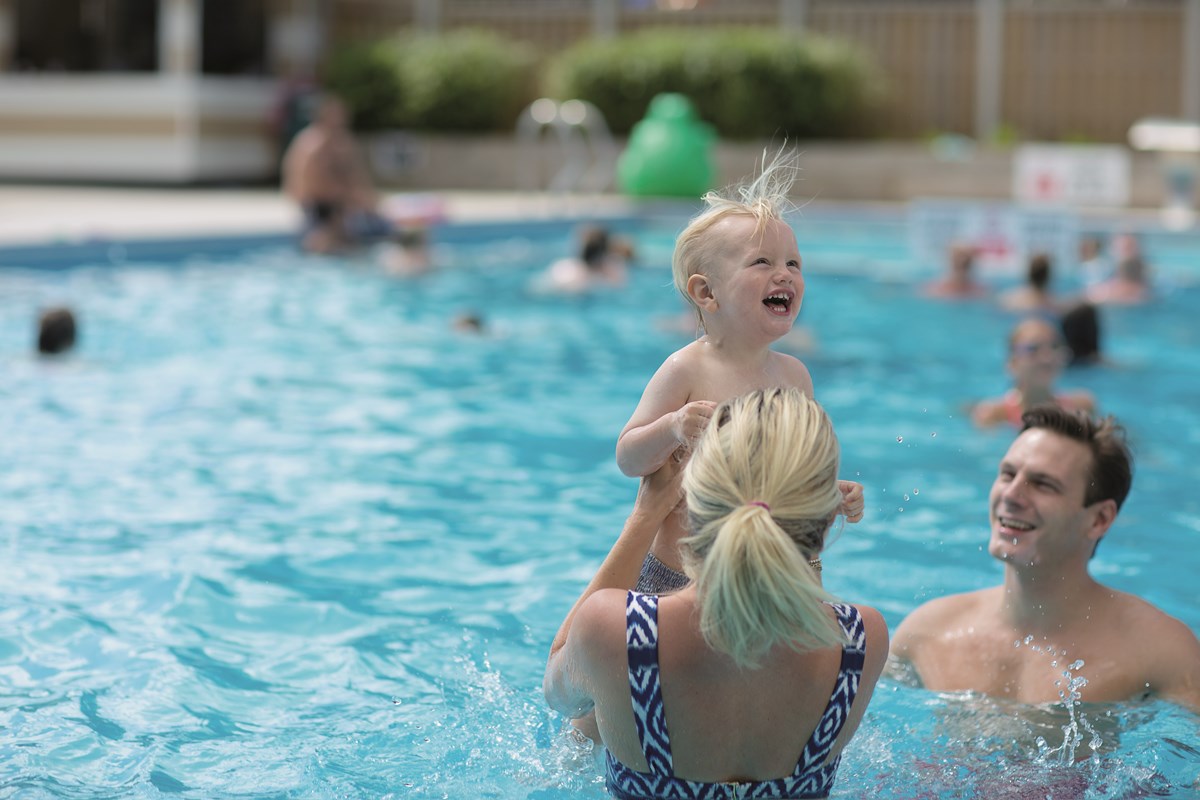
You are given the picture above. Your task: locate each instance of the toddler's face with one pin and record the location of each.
(758, 277)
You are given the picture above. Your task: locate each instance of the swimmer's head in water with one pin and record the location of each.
(56, 331)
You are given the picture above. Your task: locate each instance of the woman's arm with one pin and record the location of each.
(566, 683)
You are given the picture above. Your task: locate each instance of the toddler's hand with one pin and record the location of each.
(853, 502)
(689, 422)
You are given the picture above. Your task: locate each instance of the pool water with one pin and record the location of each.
(276, 529)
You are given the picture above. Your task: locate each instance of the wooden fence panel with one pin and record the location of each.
(548, 25)
(1076, 74)
(1073, 69)
(925, 53)
(366, 20)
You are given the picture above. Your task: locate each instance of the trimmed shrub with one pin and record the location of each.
(746, 82)
(466, 81)
(367, 78)
(459, 81)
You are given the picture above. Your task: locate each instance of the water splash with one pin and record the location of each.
(1078, 726)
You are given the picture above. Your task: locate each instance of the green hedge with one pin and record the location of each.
(461, 81)
(747, 83)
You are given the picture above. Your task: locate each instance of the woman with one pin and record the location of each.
(749, 675)
(1036, 357)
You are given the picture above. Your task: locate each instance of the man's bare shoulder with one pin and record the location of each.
(936, 616)
(1139, 620)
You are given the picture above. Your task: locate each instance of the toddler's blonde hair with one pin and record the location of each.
(763, 200)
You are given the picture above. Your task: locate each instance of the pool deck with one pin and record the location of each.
(31, 215)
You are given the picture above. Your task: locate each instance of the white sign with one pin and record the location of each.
(1070, 174)
(1002, 235)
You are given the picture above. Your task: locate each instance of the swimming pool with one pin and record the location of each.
(277, 530)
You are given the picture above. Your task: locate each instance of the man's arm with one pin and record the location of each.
(295, 164)
(1176, 669)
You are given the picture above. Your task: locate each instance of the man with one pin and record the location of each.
(1058, 490)
(325, 172)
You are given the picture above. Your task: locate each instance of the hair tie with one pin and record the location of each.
(760, 504)
(815, 563)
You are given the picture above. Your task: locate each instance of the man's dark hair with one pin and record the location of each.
(1112, 462)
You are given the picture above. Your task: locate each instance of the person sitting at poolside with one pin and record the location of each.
(325, 172)
(959, 283)
(1035, 296)
(1130, 285)
(1057, 493)
(728, 681)
(602, 261)
(1036, 357)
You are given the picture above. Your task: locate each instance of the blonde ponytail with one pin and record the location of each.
(761, 493)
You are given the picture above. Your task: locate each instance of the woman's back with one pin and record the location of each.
(725, 723)
(752, 675)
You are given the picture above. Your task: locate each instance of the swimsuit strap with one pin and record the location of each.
(645, 687)
(816, 751)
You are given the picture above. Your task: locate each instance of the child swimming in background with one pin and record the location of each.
(738, 264)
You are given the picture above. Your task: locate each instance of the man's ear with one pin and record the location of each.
(699, 288)
(1102, 515)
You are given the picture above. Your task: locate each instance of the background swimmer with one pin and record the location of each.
(1036, 357)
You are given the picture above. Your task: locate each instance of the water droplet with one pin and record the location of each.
(900, 509)
(1017, 643)
(933, 434)
(916, 491)
(1076, 664)
(1054, 663)
(905, 497)
(899, 438)
(924, 410)
(1029, 639)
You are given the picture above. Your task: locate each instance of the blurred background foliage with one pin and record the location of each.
(746, 82)
(463, 81)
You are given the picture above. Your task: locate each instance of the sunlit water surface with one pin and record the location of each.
(277, 530)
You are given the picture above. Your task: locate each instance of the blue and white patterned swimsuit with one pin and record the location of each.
(812, 777)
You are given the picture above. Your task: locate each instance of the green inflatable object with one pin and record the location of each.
(669, 152)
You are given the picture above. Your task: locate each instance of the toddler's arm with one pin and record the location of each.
(663, 421)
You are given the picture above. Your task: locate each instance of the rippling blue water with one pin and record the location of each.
(276, 530)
